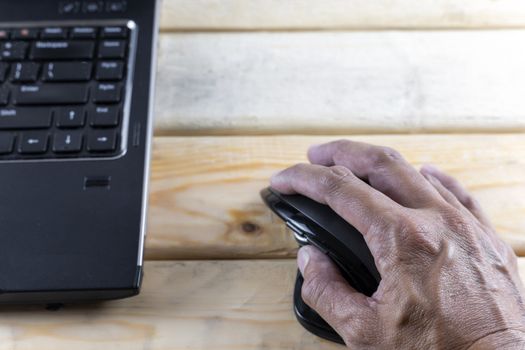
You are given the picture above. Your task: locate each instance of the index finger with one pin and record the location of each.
(368, 210)
(383, 167)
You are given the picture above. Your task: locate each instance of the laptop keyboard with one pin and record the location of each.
(62, 91)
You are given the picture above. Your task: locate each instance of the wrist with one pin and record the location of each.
(508, 339)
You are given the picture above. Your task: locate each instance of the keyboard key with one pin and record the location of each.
(54, 33)
(115, 32)
(56, 50)
(112, 49)
(83, 33)
(45, 94)
(25, 33)
(3, 70)
(33, 142)
(25, 72)
(4, 96)
(102, 141)
(13, 50)
(67, 71)
(116, 6)
(71, 117)
(25, 118)
(4, 34)
(110, 70)
(104, 116)
(6, 142)
(67, 142)
(62, 88)
(69, 7)
(92, 6)
(107, 93)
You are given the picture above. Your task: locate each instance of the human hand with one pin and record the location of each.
(448, 281)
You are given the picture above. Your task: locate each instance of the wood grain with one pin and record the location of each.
(205, 204)
(339, 14)
(216, 305)
(341, 82)
(183, 305)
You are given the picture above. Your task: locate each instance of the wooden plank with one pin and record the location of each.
(339, 14)
(341, 82)
(183, 305)
(205, 204)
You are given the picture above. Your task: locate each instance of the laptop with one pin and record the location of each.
(76, 86)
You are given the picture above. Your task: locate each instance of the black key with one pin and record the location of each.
(3, 70)
(102, 141)
(25, 33)
(4, 34)
(6, 142)
(69, 7)
(67, 142)
(24, 72)
(115, 32)
(33, 142)
(112, 49)
(71, 117)
(103, 116)
(4, 96)
(116, 6)
(56, 50)
(84, 33)
(25, 118)
(54, 33)
(107, 93)
(13, 50)
(67, 71)
(110, 70)
(92, 6)
(50, 94)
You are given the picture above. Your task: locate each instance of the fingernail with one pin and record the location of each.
(302, 259)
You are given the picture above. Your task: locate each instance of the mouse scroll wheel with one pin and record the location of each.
(297, 231)
(298, 224)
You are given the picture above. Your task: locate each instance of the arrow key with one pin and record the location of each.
(33, 142)
(71, 117)
(67, 142)
(102, 141)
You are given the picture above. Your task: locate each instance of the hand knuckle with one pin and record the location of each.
(416, 238)
(299, 167)
(359, 333)
(457, 222)
(383, 155)
(333, 179)
(469, 202)
(342, 144)
(312, 289)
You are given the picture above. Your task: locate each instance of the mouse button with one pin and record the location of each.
(318, 245)
(343, 267)
(300, 222)
(283, 210)
(354, 274)
(297, 232)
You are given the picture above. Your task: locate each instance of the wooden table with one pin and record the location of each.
(244, 87)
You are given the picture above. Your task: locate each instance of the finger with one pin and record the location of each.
(462, 195)
(329, 294)
(444, 192)
(383, 167)
(369, 211)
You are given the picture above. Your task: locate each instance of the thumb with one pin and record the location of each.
(327, 292)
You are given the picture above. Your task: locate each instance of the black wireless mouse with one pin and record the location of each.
(317, 224)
